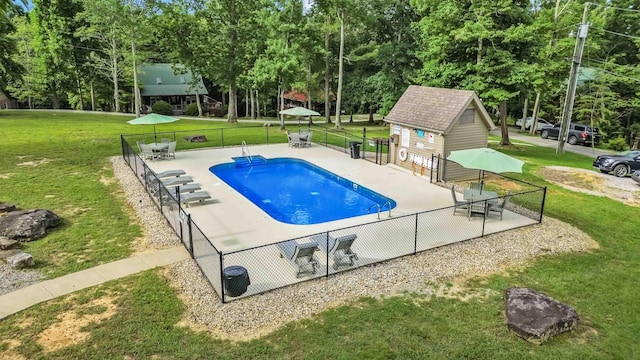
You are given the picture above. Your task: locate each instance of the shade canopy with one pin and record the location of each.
(486, 159)
(299, 111)
(152, 119)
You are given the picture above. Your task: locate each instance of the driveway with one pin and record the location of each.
(537, 140)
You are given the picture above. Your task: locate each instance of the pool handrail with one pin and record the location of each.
(244, 146)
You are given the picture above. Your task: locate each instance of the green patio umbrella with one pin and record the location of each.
(300, 111)
(153, 119)
(486, 159)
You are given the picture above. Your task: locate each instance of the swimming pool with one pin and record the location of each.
(295, 191)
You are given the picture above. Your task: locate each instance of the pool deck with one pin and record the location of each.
(232, 222)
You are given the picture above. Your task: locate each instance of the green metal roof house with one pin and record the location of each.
(161, 82)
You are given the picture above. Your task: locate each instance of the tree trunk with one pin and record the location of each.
(253, 104)
(503, 124)
(340, 71)
(232, 114)
(525, 111)
(200, 112)
(246, 103)
(114, 74)
(93, 97)
(136, 88)
(280, 106)
(327, 78)
(55, 99)
(370, 115)
(257, 105)
(309, 86)
(534, 116)
(479, 53)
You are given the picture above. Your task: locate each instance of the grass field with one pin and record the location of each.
(68, 172)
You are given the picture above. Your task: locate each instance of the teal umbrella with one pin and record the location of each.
(153, 119)
(486, 159)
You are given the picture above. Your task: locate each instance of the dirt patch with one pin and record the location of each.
(6, 176)
(9, 353)
(68, 330)
(458, 289)
(35, 162)
(590, 182)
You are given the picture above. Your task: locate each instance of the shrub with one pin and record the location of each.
(617, 144)
(192, 110)
(162, 108)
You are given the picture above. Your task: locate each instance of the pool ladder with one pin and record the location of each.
(380, 208)
(245, 151)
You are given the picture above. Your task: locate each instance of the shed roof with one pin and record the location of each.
(170, 82)
(434, 109)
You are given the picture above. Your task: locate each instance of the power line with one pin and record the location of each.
(617, 33)
(612, 73)
(613, 7)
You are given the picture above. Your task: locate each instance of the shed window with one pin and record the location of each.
(467, 116)
(158, 80)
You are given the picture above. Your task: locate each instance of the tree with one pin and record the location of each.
(480, 45)
(9, 67)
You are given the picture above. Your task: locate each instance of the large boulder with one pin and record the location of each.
(27, 225)
(535, 316)
(7, 244)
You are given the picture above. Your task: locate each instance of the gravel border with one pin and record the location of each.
(258, 315)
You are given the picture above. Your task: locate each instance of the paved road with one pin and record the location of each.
(537, 140)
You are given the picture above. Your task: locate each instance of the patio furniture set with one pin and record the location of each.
(183, 186)
(479, 201)
(299, 139)
(164, 150)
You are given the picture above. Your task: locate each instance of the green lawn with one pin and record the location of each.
(602, 285)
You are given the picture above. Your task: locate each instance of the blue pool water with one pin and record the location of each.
(294, 191)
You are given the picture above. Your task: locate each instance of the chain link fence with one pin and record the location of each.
(256, 270)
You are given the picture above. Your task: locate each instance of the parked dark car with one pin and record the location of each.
(577, 134)
(636, 176)
(620, 164)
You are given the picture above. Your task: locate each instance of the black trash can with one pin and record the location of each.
(236, 280)
(355, 149)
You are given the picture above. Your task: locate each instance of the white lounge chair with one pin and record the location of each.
(169, 173)
(179, 180)
(339, 248)
(198, 196)
(300, 255)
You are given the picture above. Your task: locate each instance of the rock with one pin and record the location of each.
(4, 254)
(6, 243)
(21, 260)
(27, 225)
(535, 316)
(7, 207)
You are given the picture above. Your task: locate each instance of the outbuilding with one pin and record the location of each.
(429, 123)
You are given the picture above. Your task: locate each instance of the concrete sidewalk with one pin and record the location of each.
(21, 299)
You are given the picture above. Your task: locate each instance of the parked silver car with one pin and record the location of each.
(527, 125)
(636, 176)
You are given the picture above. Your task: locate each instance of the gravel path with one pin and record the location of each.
(424, 273)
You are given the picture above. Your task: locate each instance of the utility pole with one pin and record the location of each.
(567, 111)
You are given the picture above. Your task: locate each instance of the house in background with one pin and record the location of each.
(7, 101)
(429, 121)
(160, 82)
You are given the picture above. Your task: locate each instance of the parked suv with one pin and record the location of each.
(620, 164)
(577, 134)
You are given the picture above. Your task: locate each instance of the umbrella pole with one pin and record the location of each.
(155, 137)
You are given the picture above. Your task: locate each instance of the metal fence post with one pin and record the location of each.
(544, 197)
(326, 239)
(484, 215)
(364, 143)
(415, 237)
(224, 301)
(193, 256)
(267, 134)
(222, 137)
